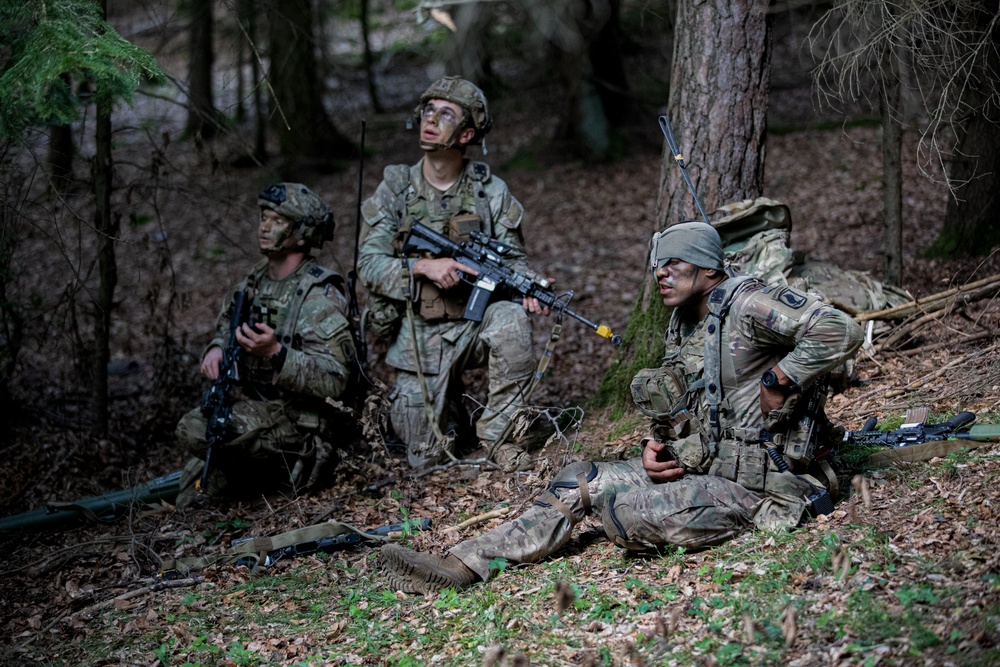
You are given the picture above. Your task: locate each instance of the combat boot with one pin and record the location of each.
(411, 571)
(511, 457)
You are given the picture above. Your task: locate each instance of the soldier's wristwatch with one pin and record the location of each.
(770, 379)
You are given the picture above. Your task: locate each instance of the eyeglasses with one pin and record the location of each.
(442, 115)
(275, 194)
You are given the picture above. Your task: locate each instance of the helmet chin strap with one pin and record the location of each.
(279, 243)
(431, 146)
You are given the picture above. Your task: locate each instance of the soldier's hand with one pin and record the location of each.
(532, 305)
(773, 398)
(659, 462)
(443, 271)
(261, 343)
(211, 363)
(770, 399)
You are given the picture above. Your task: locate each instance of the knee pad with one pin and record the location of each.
(570, 485)
(614, 526)
(408, 417)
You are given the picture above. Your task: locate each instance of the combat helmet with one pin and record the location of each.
(465, 94)
(313, 219)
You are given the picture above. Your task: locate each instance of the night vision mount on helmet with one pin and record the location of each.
(313, 219)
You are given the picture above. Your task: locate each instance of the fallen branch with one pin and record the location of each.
(928, 304)
(472, 463)
(486, 516)
(982, 335)
(128, 595)
(908, 330)
(100, 606)
(856, 401)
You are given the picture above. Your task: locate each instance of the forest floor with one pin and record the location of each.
(905, 571)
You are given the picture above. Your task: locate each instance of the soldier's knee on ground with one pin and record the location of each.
(190, 432)
(569, 491)
(408, 417)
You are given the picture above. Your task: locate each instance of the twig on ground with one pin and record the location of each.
(480, 518)
(451, 464)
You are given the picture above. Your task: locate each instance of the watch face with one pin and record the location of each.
(769, 379)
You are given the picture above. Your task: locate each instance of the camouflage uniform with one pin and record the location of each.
(448, 344)
(280, 421)
(730, 484)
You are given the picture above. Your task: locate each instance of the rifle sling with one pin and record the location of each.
(257, 548)
(924, 451)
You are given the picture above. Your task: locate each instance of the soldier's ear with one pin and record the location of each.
(466, 135)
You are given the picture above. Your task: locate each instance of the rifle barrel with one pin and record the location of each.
(106, 508)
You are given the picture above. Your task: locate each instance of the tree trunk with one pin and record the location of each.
(718, 110)
(970, 224)
(307, 139)
(248, 17)
(892, 189)
(106, 226)
(202, 116)
(369, 59)
(608, 70)
(718, 105)
(469, 55)
(596, 91)
(61, 154)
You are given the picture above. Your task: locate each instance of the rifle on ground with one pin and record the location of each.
(326, 544)
(486, 256)
(918, 432)
(103, 509)
(218, 403)
(916, 440)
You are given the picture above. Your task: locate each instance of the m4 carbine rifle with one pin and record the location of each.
(916, 432)
(328, 544)
(217, 406)
(486, 256)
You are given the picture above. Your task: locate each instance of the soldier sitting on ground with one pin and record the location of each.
(729, 447)
(297, 351)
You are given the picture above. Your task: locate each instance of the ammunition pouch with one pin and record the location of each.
(434, 304)
(384, 315)
(460, 227)
(662, 393)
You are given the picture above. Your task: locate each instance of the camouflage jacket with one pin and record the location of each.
(404, 196)
(764, 326)
(319, 346)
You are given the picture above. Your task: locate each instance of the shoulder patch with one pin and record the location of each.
(397, 177)
(787, 296)
(480, 171)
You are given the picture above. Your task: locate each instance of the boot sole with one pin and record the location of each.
(404, 576)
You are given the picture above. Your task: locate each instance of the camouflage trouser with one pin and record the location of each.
(265, 448)
(501, 342)
(695, 511)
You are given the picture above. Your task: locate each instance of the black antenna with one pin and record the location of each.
(353, 309)
(679, 159)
